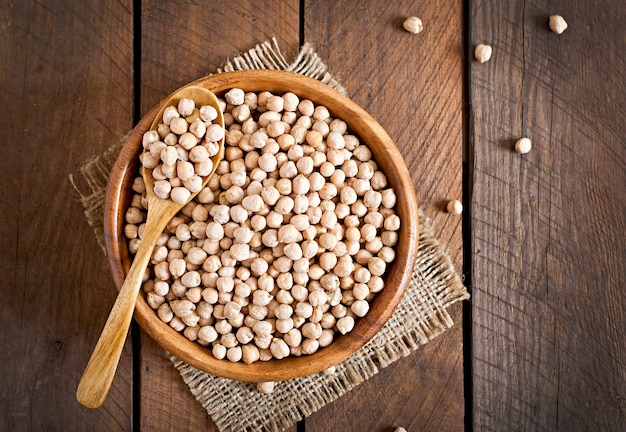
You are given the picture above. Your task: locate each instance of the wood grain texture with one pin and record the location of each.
(548, 244)
(66, 94)
(412, 84)
(183, 41)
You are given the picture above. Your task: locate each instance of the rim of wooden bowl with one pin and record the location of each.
(388, 157)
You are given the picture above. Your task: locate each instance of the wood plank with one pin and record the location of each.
(180, 43)
(548, 243)
(412, 84)
(66, 92)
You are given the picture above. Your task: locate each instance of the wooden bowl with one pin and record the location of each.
(397, 278)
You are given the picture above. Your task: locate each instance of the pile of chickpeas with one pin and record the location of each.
(286, 245)
(179, 151)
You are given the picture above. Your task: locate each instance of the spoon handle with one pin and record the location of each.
(99, 372)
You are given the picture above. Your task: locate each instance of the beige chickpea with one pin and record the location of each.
(375, 219)
(360, 291)
(303, 309)
(378, 181)
(316, 271)
(258, 222)
(389, 238)
(210, 295)
(219, 351)
(314, 138)
(293, 337)
(207, 334)
(388, 198)
(257, 312)
(299, 133)
(360, 307)
(362, 275)
(328, 219)
(299, 293)
(372, 199)
(286, 141)
(252, 203)
(344, 267)
(335, 157)
(289, 234)
(249, 353)
(284, 205)
(300, 222)
(267, 162)
(362, 153)
(329, 282)
(177, 267)
(360, 186)
(374, 246)
(225, 283)
(328, 260)
(311, 330)
(321, 113)
(392, 223)
(376, 266)
(326, 338)
(316, 181)
(350, 168)
(293, 251)
(234, 354)
(165, 313)
(387, 254)
(348, 195)
(306, 107)
(255, 186)
(274, 220)
(368, 232)
(363, 256)
(279, 348)
(223, 327)
(339, 311)
(345, 324)
(263, 343)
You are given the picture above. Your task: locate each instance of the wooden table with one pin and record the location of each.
(541, 243)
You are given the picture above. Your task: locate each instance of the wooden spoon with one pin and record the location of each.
(98, 375)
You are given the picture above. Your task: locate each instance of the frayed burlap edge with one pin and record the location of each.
(268, 55)
(95, 172)
(420, 317)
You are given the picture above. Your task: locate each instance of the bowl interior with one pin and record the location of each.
(388, 158)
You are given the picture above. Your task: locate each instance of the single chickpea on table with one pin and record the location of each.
(288, 243)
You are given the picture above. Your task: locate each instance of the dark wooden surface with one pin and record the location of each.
(542, 344)
(548, 228)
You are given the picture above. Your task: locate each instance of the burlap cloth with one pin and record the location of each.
(421, 316)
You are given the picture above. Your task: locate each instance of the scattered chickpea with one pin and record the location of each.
(523, 145)
(483, 52)
(557, 24)
(413, 25)
(266, 387)
(455, 207)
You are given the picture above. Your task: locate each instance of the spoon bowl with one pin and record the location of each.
(100, 370)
